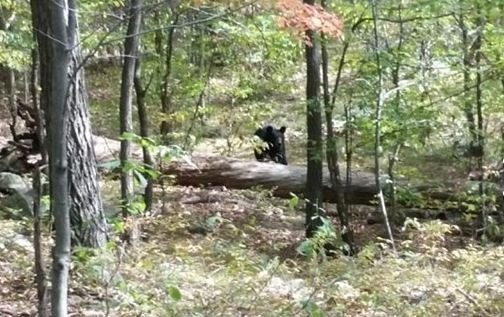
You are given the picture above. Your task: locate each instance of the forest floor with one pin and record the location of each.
(219, 252)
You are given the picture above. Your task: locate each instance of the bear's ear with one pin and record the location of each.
(269, 129)
(282, 129)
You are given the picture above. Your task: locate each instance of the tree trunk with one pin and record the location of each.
(34, 92)
(12, 102)
(8, 76)
(332, 142)
(313, 190)
(58, 167)
(468, 101)
(87, 217)
(393, 156)
(245, 174)
(40, 274)
(479, 115)
(125, 104)
(144, 131)
(378, 113)
(165, 89)
(26, 88)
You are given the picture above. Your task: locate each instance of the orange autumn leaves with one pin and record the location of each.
(301, 17)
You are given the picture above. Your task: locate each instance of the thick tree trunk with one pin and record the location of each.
(87, 217)
(245, 174)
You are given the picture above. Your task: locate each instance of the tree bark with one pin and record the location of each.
(468, 100)
(313, 190)
(58, 167)
(87, 218)
(125, 103)
(40, 274)
(34, 92)
(11, 83)
(165, 93)
(144, 131)
(332, 142)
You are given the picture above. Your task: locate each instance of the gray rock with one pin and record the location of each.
(21, 194)
(18, 242)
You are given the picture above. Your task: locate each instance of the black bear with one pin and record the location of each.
(276, 144)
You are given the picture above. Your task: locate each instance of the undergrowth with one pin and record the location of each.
(231, 271)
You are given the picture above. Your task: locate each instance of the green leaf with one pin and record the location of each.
(313, 309)
(137, 206)
(130, 136)
(294, 201)
(110, 165)
(140, 178)
(174, 293)
(306, 248)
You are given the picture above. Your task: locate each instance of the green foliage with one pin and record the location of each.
(313, 309)
(16, 41)
(262, 54)
(428, 238)
(325, 236)
(294, 201)
(174, 293)
(409, 197)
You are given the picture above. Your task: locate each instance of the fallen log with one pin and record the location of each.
(282, 179)
(243, 174)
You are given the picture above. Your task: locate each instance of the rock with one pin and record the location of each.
(346, 291)
(20, 195)
(17, 241)
(295, 288)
